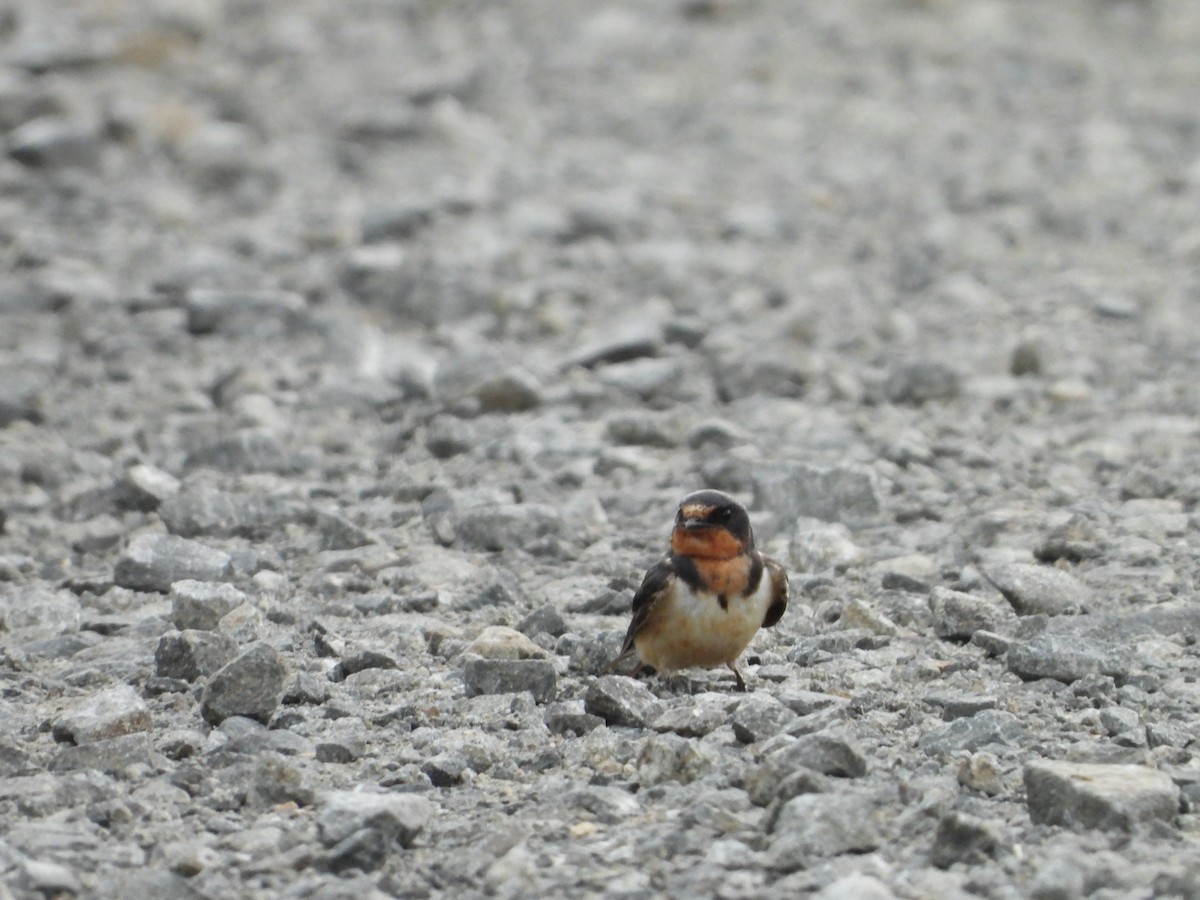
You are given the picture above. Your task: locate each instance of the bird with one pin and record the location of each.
(703, 602)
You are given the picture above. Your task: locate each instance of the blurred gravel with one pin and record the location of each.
(353, 357)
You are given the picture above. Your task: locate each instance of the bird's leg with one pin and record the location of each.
(741, 682)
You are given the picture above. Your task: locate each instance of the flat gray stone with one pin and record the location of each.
(812, 827)
(839, 493)
(1034, 590)
(1090, 795)
(110, 713)
(399, 818)
(153, 562)
(620, 700)
(971, 733)
(1067, 656)
(958, 616)
(508, 676)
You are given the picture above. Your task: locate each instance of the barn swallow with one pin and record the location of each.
(702, 603)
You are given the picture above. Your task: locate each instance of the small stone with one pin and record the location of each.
(1090, 795)
(811, 827)
(110, 755)
(1067, 656)
(190, 655)
(702, 715)
(981, 772)
(249, 685)
(779, 779)
(445, 769)
(621, 700)
(505, 676)
(46, 879)
(203, 510)
(153, 562)
(244, 624)
(397, 818)
(972, 733)
(54, 142)
(921, 382)
(38, 613)
(963, 838)
(398, 221)
(669, 757)
(958, 616)
(508, 526)
(109, 714)
(760, 716)
(1026, 359)
(247, 450)
(144, 487)
(275, 780)
(855, 887)
(1035, 589)
(841, 493)
(1118, 720)
(501, 642)
(510, 391)
(199, 605)
(570, 717)
(545, 619)
(818, 546)
(306, 688)
(634, 340)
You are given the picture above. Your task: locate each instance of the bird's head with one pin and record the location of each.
(711, 525)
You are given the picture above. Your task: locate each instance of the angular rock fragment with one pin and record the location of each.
(153, 562)
(958, 616)
(1039, 589)
(109, 714)
(507, 676)
(200, 605)
(1090, 795)
(189, 655)
(620, 700)
(249, 686)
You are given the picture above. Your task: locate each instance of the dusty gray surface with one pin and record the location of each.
(353, 357)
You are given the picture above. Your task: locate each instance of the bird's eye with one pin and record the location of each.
(724, 514)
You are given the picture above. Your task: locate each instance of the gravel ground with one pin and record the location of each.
(353, 357)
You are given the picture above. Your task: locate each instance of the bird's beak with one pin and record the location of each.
(691, 523)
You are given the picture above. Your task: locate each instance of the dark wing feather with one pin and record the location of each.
(779, 592)
(654, 587)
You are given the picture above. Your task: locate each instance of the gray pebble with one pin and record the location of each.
(984, 729)
(506, 676)
(1034, 590)
(670, 757)
(110, 713)
(109, 755)
(813, 826)
(201, 605)
(54, 142)
(190, 655)
(249, 685)
(760, 716)
(619, 700)
(153, 562)
(963, 838)
(921, 382)
(570, 717)
(546, 619)
(1067, 655)
(206, 511)
(958, 616)
(840, 493)
(394, 819)
(1089, 795)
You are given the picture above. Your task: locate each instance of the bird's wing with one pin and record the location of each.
(779, 592)
(655, 586)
